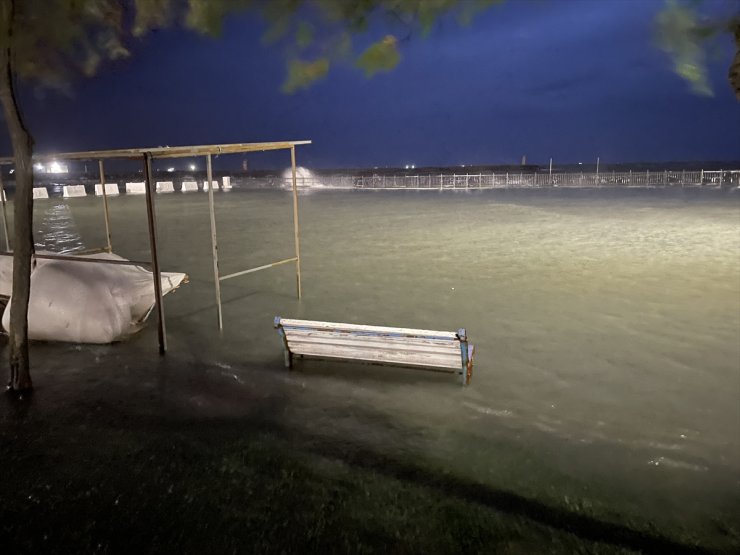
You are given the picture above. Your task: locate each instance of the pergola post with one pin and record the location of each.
(105, 206)
(296, 226)
(5, 215)
(214, 242)
(151, 220)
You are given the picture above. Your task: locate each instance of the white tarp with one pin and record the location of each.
(85, 302)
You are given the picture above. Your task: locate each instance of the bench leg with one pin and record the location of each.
(287, 355)
(466, 357)
(469, 369)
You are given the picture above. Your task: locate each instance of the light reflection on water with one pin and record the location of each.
(56, 230)
(606, 328)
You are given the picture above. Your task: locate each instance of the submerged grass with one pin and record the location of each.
(205, 490)
(112, 469)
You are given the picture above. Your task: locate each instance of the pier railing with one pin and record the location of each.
(504, 180)
(439, 182)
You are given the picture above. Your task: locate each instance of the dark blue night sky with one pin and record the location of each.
(568, 79)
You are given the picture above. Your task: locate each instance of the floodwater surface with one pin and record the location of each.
(606, 329)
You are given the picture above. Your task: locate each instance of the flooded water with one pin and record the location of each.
(606, 328)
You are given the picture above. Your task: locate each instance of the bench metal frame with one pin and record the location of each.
(464, 369)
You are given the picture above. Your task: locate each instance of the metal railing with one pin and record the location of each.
(515, 180)
(444, 181)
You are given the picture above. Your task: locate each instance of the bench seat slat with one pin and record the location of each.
(378, 355)
(289, 324)
(395, 347)
(370, 341)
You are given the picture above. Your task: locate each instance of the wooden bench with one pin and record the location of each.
(441, 351)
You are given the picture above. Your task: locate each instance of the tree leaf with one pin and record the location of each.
(380, 56)
(301, 74)
(681, 36)
(151, 14)
(207, 16)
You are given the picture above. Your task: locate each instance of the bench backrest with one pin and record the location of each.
(408, 347)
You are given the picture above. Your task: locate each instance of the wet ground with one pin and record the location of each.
(604, 412)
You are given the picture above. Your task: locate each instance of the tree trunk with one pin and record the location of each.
(20, 377)
(734, 74)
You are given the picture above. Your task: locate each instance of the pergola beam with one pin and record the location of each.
(163, 152)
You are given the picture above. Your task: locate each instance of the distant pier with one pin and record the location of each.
(389, 181)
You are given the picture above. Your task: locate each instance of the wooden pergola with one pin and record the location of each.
(146, 155)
